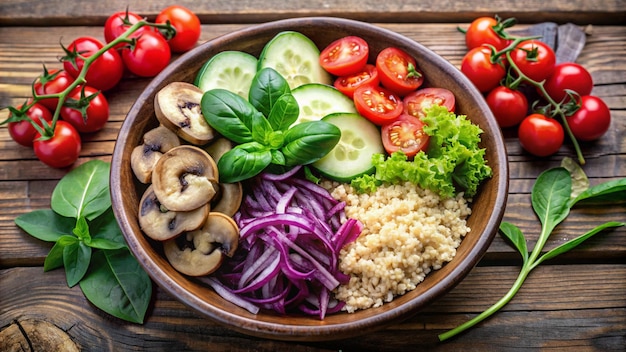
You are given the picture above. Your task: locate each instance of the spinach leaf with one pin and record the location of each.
(515, 235)
(550, 197)
(243, 161)
(284, 113)
(84, 191)
(309, 141)
(54, 259)
(117, 284)
(266, 89)
(229, 114)
(610, 190)
(45, 224)
(76, 258)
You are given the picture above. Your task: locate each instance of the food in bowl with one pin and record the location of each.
(294, 326)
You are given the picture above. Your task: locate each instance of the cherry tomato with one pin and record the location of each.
(53, 82)
(508, 106)
(97, 111)
(149, 55)
(398, 71)
(416, 102)
(377, 104)
(187, 26)
(477, 66)
(591, 120)
(23, 132)
(481, 31)
(535, 59)
(104, 73)
(348, 84)
(62, 149)
(406, 134)
(568, 75)
(118, 23)
(345, 56)
(540, 135)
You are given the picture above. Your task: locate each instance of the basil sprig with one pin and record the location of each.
(262, 127)
(89, 243)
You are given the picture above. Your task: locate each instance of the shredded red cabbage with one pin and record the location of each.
(291, 233)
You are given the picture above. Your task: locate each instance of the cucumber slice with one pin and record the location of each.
(319, 100)
(230, 70)
(295, 57)
(352, 156)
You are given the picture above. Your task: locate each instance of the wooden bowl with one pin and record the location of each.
(488, 205)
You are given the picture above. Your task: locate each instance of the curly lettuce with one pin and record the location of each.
(452, 164)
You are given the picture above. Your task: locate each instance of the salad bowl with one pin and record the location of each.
(487, 205)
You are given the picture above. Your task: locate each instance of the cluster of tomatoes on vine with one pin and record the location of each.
(509, 70)
(68, 102)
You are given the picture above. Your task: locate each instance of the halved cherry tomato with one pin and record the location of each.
(377, 104)
(23, 132)
(104, 73)
(97, 113)
(481, 31)
(416, 102)
(348, 84)
(535, 59)
(55, 81)
(187, 26)
(345, 56)
(149, 55)
(477, 66)
(398, 71)
(60, 150)
(568, 75)
(540, 135)
(507, 105)
(405, 134)
(591, 120)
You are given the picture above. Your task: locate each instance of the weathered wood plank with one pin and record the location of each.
(50, 13)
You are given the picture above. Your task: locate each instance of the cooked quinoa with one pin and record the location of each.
(408, 231)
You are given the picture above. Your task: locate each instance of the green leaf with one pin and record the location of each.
(76, 258)
(266, 89)
(580, 182)
(229, 114)
(261, 129)
(84, 191)
(45, 224)
(284, 113)
(550, 197)
(118, 285)
(243, 162)
(82, 230)
(614, 190)
(309, 141)
(103, 243)
(105, 227)
(576, 241)
(54, 259)
(515, 235)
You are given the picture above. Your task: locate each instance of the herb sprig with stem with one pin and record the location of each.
(551, 198)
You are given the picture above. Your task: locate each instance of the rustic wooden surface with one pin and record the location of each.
(576, 302)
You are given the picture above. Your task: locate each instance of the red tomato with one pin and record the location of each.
(377, 104)
(416, 102)
(187, 26)
(97, 111)
(398, 71)
(23, 131)
(345, 56)
(481, 31)
(508, 106)
(405, 134)
(104, 73)
(535, 59)
(148, 56)
(348, 84)
(118, 23)
(55, 81)
(62, 149)
(540, 135)
(477, 66)
(591, 120)
(568, 75)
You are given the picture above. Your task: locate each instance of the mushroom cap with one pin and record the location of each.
(228, 198)
(183, 178)
(161, 224)
(218, 147)
(177, 106)
(155, 142)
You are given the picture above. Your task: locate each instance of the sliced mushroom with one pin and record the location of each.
(228, 198)
(155, 142)
(201, 252)
(183, 178)
(177, 107)
(219, 147)
(161, 224)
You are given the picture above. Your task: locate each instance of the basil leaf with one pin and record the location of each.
(614, 190)
(45, 224)
(243, 161)
(284, 112)
(550, 197)
(277, 157)
(84, 191)
(54, 259)
(118, 285)
(229, 114)
(76, 258)
(515, 235)
(309, 141)
(266, 89)
(261, 129)
(105, 228)
(82, 230)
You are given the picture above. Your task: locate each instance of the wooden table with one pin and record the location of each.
(576, 302)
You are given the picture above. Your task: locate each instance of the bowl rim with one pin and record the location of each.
(316, 332)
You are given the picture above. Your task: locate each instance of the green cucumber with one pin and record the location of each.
(319, 100)
(352, 156)
(295, 57)
(230, 70)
